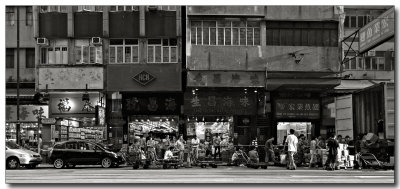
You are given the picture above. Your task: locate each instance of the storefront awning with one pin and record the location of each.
(313, 84)
(353, 85)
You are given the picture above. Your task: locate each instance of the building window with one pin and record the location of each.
(30, 58)
(225, 33)
(29, 16)
(124, 8)
(124, 51)
(54, 55)
(375, 61)
(90, 8)
(162, 50)
(161, 8)
(9, 58)
(44, 9)
(10, 16)
(288, 33)
(356, 21)
(86, 54)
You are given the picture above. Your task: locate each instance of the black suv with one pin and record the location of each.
(80, 152)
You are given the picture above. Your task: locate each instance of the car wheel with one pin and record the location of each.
(58, 163)
(12, 163)
(106, 162)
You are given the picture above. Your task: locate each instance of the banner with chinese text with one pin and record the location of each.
(151, 104)
(297, 108)
(220, 103)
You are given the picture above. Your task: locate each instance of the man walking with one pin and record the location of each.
(332, 145)
(269, 150)
(217, 143)
(291, 142)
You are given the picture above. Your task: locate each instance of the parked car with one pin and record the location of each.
(17, 156)
(79, 152)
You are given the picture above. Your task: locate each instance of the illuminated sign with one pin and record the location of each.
(297, 108)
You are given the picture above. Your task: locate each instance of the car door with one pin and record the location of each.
(91, 153)
(72, 152)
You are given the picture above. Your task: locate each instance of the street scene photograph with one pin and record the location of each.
(280, 94)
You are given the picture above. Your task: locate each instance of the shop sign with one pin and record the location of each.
(26, 113)
(142, 104)
(100, 116)
(225, 79)
(377, 31)
(297, 109)
(48, 121)
(220, 103)
(143, 78)
(73, 106)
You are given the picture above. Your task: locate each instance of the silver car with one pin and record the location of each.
(16, 156)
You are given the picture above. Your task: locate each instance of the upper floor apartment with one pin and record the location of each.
(379, 62)
(264, 38)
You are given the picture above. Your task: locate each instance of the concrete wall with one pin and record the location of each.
(225, 10)
(255, 58)
(300, 13)
(26, 32)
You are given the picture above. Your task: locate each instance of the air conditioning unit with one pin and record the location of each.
(371, 53)
(153, 8)
(42, 41)
(96, 40)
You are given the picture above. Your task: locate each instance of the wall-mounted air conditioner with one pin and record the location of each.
(42, 41)
(96, 40)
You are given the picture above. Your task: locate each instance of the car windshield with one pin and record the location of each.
(12, 145)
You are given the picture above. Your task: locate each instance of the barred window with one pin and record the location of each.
(225, 32)
(124, 51)
(29, 16)
(162, 50)
(124, 8)
(10, 16)
(356, 21)
(375, 60)
(44, 9)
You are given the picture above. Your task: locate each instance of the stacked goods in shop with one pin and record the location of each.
(343, 156)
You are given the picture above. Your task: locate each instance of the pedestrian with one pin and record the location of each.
(151, 144)
(300, 149)
(332, 146)
(216, 144)
(40, 143)
(347, 140)
(339, 139)
(269, 150)
(165, 144)
(253, 155)
(168, 154)
(180, 145)
(313, 151)
(195, 148)
(291, 142)
(357, 148)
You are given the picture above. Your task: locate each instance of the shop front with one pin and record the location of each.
(300, 112)
(75, 116)
(154, 115)
(29, 119)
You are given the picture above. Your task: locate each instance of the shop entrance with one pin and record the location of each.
(283, 128)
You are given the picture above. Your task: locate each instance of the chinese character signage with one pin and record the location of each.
(226, 79)
(220, 103)
(100, 116)
(143, 78)
(297, 108)
(377, 31)
(157, 104)
(27, 113)
(67, 105)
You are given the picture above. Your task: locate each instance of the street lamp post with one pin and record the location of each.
(39, 114)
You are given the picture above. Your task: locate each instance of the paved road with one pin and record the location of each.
(222, 174)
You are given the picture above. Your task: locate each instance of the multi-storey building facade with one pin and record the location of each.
(365, 102)
(125, 59)
(20, 53)
(261, 70)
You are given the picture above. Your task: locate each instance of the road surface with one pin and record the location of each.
(222, 174)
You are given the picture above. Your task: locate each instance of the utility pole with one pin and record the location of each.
(18, 134)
